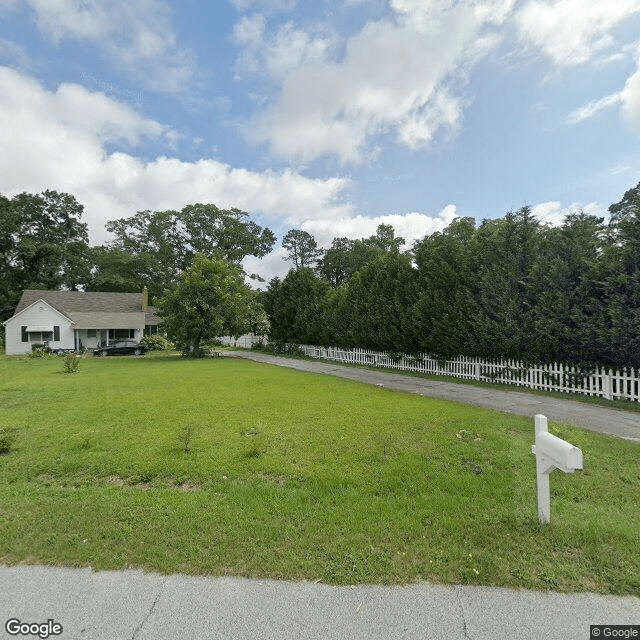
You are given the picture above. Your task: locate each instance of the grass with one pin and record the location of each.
(229, 467)
(625, 405)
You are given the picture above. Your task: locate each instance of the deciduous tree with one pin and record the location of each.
(210, 299)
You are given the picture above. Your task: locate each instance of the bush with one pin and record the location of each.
(39, 351)
(71, 363)
(157, 343)
(191, 353)
(278, 348)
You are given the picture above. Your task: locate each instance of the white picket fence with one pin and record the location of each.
(247, 341)
(603, 382)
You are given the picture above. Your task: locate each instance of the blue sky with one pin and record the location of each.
(328, 116)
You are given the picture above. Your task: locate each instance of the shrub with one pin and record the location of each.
(157, 343)
(71, 363)
(192, 353)
(39, 351)
(279, 348)
(185, 436)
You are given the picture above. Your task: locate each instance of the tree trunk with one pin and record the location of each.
(195, 353)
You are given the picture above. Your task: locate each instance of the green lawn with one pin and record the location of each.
(229, 467)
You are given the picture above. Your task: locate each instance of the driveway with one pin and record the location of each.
(613, 422)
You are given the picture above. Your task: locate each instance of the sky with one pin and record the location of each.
(331, 116)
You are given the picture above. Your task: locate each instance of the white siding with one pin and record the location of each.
(40, 314)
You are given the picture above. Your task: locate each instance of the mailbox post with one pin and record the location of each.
(551, 453)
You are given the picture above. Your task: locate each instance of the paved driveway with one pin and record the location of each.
(615, 422)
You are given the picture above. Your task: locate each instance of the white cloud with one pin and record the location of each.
(395, 76)
(628, 99)
(137, 36)
(56, 140)
(594, 107)
(570, 32)
(249, 30)
(631, 101)
(14, 53)
(265, 5)
(280, 53)
(271, 266)
(410, 226)
(553, 213)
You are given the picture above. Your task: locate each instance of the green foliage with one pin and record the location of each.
(70, 363)
(277, 347)
(43, 245)
(378, 304)
(511, 288)
(302, 248)
(40, 351)
(153, 248)
(157, 343)
(185, 436)
(346, 257)
(209, 300)
(295, 307)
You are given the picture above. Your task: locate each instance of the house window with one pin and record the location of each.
(40, 336)
(121, 334)
(56, 334)
(25, 335)
(91, 333)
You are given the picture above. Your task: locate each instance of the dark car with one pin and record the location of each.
(121, 348)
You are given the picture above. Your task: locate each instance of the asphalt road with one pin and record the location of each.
(614, 422)
(133, 605)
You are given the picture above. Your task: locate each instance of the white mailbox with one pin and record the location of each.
(551, 453)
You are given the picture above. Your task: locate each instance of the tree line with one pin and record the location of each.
(507, 288)
(44, 244)
(189, 260)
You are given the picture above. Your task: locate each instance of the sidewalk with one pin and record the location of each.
(614, 422)
(132, 605)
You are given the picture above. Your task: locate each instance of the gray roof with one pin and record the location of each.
(150, 316)
(101, 302)
(102, 320)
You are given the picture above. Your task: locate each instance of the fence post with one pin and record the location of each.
(606, 384)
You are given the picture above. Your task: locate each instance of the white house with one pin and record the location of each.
(76, 319)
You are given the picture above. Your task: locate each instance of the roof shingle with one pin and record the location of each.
(69, 302)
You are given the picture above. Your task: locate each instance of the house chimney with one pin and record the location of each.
(145, 299)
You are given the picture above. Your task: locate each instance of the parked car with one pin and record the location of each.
(121, 348)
